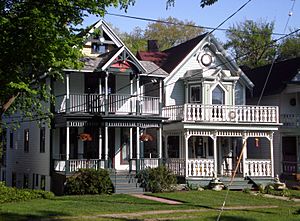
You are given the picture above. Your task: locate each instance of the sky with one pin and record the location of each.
(210, 16)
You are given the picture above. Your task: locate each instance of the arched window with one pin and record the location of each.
(218, 95)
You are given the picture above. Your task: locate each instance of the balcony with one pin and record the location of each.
(116, 104)
(222, 113)
(290, 120)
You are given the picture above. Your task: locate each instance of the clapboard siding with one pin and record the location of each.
(31, 162)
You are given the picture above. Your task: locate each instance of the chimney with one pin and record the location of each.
(152, 46)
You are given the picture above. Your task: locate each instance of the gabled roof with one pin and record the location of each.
(282, 73)
(153, 69)
(169, 59)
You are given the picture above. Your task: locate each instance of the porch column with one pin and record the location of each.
(166, 146)
(186, 145)
(244, 149)
(159, 143)
(106, 147)
(215, 156)
(67, 92)
(160, 96)
(138, 111)
(131, 94)
(272, 154)
(100, 143)
(130, 147)
(106, 93)
(137, 148)
(67, 143)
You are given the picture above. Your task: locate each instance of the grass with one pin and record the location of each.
(67, 207)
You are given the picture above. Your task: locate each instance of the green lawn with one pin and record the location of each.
(207, 201)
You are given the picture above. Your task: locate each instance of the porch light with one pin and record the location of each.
(146, 137)
(256, 142)
(85, 137)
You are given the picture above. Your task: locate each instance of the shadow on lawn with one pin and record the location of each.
(236, 218)
(43, 215)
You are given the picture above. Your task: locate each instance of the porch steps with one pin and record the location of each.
(257, 181)
(125, 182)
(239, 183)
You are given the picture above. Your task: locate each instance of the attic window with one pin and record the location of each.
(99, 48)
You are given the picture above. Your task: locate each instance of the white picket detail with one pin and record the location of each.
(200, 167)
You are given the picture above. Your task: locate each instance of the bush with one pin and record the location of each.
(89, 181)
(12, 194)
(158, 179)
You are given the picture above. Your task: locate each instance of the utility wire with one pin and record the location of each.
(275, 55)
(193, 75)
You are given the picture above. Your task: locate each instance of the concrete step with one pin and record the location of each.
(124, 182)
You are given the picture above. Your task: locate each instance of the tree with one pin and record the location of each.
(135, 40)
(290, 47)
(250, 43)
(171, 32)
(203, 3)
(39, 39)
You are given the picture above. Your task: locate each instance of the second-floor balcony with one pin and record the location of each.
(112, 104)
(222, 113)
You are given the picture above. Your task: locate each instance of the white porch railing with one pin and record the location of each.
(258, 167)
(75, 165)
(290, 120)
(201, 167)
(222, 113)
(176, 165)
(117, 103)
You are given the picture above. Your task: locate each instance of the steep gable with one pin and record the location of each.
(282, 73)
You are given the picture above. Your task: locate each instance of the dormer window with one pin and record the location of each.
(195, 94)
(99, 48)
(218, 95)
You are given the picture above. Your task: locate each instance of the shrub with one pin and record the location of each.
(12, 194)
(158, 179)
(89, 181)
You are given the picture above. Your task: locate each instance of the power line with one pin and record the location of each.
(182, 24)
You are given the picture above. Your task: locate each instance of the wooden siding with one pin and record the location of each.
(32, 162)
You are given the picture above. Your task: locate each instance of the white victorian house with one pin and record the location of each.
(184, 107)
(207, 120)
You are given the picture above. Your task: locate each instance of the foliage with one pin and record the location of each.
(135, 40)
(203, 3)
(11, 194)
(39, 39)
(251, 43)
(89, 181)
(159, 179)
(171, 32)
(168, 32)
(290, 47)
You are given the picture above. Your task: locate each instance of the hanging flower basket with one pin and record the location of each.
(146, 137)
(85, 137)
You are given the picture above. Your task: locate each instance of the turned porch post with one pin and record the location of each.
(186, 136)
(106, 94)
(215, 156)
(159, 143)
(67, 143)
(100, 144)
(244, 149)
(137, 148)
(106, 147)
(271, 153)
(67, 92)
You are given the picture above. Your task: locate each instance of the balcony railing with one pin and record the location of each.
(258, 167)
(70, 166)
(222, 113)
(116, 103)
(290, 120)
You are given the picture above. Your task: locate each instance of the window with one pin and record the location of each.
(11, 140)
(25, 181)
(99, 48)
(42, 140)
(195, 94)
(43, 182)
(3, 141)
(13, 179)
(3, 177)
(36, 180)
(218, 95)
(239, 94)
(26, 140)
